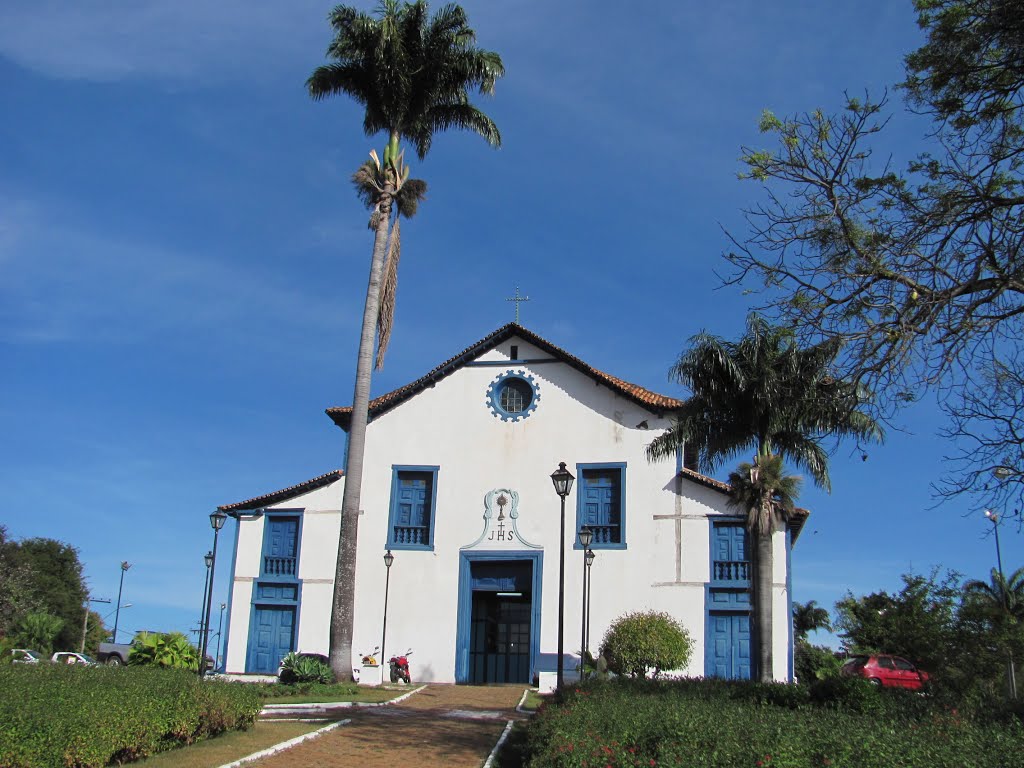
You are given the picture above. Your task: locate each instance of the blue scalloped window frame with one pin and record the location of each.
(494, 395)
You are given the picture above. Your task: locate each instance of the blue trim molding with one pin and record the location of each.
(396, 471)
(789, 601)
(494, 392)
(462, 626)
(581, 469)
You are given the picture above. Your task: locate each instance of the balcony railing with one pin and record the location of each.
(279, 566)
(731, 570)
(416, 535)
(605, 534)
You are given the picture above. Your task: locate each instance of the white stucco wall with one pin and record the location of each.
(665, 565)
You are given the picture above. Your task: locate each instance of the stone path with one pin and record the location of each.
(442, 725)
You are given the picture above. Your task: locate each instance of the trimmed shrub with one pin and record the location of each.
(58, 715)
(297, 668)
(689, 723)
(642, 641)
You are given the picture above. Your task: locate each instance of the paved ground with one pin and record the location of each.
(443, 725)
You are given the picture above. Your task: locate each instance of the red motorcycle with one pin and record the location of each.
(400, 667)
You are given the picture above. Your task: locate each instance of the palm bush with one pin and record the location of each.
(164, 649)
(38, 631)
(296, 668)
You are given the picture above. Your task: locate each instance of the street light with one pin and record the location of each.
(220, 633)
(589, 560)
(1011, 673)
(563, 484)
(586, 536)
(208, 559)
(217, 520)
(389, 560)
(125, 565)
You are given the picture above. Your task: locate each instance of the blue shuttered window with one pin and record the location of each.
(413, 494)
(600, 504)
(280, 546)
(730, 565)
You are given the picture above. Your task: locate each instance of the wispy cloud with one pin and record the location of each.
(132, 39)
(71, 282)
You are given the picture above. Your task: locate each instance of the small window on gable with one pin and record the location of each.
(411, 519)
(515, 352)
(600, 504)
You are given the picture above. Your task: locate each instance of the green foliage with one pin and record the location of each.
(17, 595)
(38, 631)
(56, 715)
(323, 691)
(808, 617)
(919, 622)
(305, 669)
(56, 583)
(680, 724)
(813, 662)
(643, 641)
(163, 649)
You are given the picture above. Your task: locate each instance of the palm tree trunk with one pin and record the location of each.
(343, 604)
(763, 606)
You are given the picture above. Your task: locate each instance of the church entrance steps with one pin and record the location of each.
(454, 726)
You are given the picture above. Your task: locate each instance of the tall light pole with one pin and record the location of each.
(220, 633)
(125, 565)
(389, 560)
(563, 484)
(1011, 672)
(589, 560)
(586, 536)
(208, 559)
(217, 520)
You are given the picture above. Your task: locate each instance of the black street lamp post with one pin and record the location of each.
(563, 484)
(217, 520)
(389, 560)
(588, 558)
(125, 565)
(586, 536)
(1011, 672)
(220, 634)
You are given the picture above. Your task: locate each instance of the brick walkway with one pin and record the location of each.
(443, 725)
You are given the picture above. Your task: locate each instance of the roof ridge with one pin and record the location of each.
(273, 497)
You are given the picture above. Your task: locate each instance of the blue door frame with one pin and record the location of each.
(462, 630)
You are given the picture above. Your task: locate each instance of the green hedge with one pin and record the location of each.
(86, 717)
(709, 723)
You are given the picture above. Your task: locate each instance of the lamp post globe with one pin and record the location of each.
(562, 480)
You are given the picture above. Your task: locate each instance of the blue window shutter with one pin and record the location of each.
(412, 507)
(601, 503)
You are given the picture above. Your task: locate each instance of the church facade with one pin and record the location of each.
(457, 488)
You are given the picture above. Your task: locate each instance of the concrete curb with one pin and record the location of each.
(519, 706)
(489, 763)
(285, 745)
(327, 707)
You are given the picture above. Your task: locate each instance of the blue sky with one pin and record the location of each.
(183, 261)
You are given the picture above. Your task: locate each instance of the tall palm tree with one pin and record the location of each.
(808, 617)
(1002, 601)
(767, 496)
(412, 73)
(767, 393)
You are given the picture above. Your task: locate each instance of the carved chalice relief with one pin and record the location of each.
(501, 531)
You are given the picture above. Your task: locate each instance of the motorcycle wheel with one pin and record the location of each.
(394, 674)
(406, 678)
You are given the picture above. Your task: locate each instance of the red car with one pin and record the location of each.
(886, 670)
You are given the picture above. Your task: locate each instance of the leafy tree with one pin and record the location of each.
(767, 393)
(808, 617)
(412, 73)
(643, 641)
(17, 593)
(920, 622)
(766, 495)
(38, 631)
(57, 585)
(813, 662)
(917, 274)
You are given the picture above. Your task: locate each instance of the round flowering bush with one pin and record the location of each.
(643, 641)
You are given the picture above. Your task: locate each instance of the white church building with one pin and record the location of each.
(457, 486)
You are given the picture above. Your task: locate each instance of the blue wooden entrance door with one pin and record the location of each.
(729, 646)
(272, 638)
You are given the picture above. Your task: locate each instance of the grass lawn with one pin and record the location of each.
(533, 700)
(230, 746)
(323, 694)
